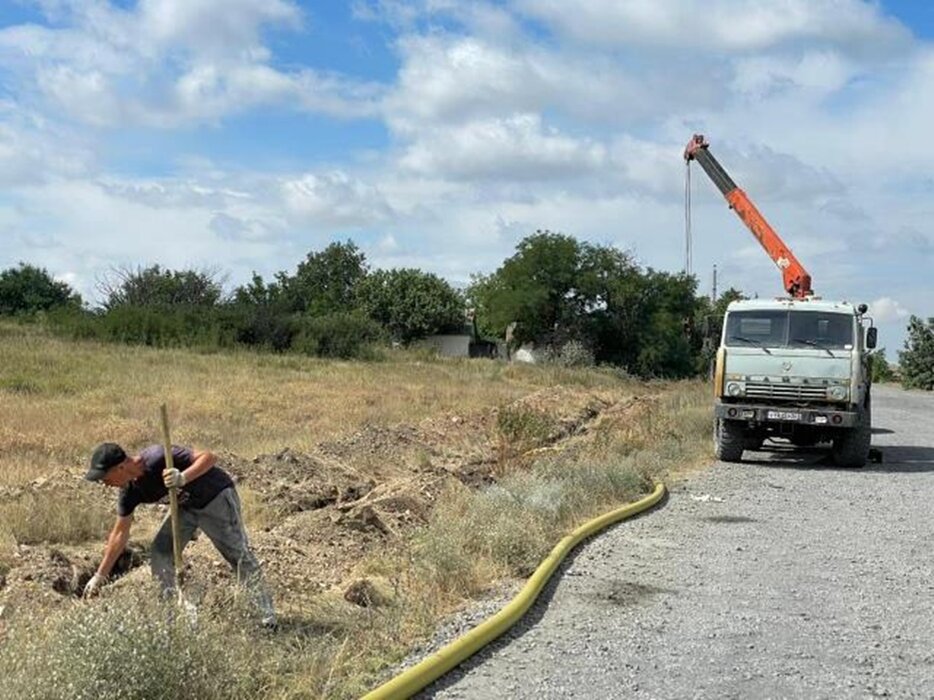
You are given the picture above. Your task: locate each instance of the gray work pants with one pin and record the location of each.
(222, 522)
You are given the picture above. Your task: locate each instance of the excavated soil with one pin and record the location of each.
(325, 511)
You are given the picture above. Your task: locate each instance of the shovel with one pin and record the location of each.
(173, 507)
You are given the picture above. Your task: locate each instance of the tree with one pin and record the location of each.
(653, 315)
(27, 289)
(409, 303)
(157, 286)
(558, 289)
(257, 293)
(916, 361)
(727, 298)
(325, 282)
(546, 288)
(881, 370)
(708, 324)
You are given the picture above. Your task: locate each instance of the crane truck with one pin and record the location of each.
(796, 368)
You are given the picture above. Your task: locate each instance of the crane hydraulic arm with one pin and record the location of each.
(796, 279)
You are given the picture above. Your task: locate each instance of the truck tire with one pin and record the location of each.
(729, 440)
(851, 449)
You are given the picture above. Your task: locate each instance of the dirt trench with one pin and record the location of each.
(326, 511)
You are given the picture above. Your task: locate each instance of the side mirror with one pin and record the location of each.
(872, 337)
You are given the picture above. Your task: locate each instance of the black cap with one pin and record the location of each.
(105, 457)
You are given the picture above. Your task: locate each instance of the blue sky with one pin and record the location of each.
(241, 134)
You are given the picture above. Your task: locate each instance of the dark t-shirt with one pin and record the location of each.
(149, 487)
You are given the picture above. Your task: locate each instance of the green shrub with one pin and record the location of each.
(263, 326)
(340, 335)
(27, 289)
(165, 326)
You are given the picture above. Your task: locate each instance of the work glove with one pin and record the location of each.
(173, 479)
(93, 586)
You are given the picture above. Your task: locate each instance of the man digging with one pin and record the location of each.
(207, 500)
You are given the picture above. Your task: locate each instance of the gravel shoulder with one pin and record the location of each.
(779, 577)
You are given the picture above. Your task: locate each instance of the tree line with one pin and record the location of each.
(576, 302)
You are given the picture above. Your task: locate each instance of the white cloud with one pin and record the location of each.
(218, 28)
(734, 25)
(387, 245)
(192, 193)
(168, 63)
(819, 71)
(232, 228)
(33, 150)
(86, 228)
(886, 310)
(514, 148)
(335, 199)
(448, 78)
(24, 46)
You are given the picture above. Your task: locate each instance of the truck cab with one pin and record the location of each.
(796, 370)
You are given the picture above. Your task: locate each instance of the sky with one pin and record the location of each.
(240, 135)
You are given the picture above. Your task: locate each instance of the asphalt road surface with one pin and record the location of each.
(779, 577)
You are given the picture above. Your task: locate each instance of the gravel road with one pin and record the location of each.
(778, 577)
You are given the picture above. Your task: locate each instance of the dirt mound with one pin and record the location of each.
(297, 482)
(42, 576)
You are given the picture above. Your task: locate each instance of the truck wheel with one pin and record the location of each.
(851, 449)
(729, 440)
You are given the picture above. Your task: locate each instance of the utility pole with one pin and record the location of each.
(713, 296)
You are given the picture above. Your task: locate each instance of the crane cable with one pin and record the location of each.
(687, 218)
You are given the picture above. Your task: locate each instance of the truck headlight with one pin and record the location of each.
(837, 393)
(734, 389)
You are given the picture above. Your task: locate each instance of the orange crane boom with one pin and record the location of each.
(796, 279)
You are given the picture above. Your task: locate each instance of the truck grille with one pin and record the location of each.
(788, 392)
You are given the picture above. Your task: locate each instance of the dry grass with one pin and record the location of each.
(59, 398)
(7, 549)
(54, 517)
(476, 539)
(508, 528)
(520, 429)
(258, 514)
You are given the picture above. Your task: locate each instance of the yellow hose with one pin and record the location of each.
(414, 679)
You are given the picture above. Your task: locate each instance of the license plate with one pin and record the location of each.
(783, 415)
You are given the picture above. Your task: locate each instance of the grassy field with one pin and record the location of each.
(58, 399)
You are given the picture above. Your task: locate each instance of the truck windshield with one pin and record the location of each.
(780, 329)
